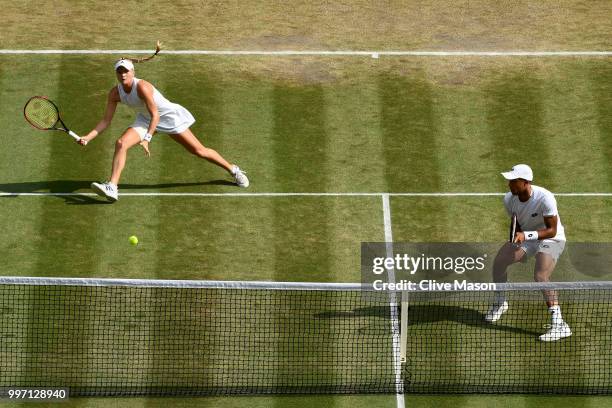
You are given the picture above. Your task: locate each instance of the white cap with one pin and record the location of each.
(519, 171)
(125, 63)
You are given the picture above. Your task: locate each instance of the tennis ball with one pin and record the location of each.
(133, 240)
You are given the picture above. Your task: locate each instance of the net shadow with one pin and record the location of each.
(431, 314)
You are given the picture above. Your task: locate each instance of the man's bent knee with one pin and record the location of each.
(507, 256)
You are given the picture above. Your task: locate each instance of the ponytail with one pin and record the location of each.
(158, 46)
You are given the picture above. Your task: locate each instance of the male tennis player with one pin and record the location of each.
(154, 113)
(540, 234)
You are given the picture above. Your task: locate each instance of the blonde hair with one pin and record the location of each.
(158, 47)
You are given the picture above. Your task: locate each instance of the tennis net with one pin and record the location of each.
(145, 337)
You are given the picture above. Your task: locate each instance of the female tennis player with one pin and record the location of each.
(154, 113)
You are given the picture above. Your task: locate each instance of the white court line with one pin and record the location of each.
(393, 302)
(371, 53)
(156, 194)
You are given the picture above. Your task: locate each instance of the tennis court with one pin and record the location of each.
(327, 128)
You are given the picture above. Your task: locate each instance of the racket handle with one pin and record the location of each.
(75, 136)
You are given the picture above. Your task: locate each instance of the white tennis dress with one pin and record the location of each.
(173, 118)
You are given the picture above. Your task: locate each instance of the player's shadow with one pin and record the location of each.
(428, 314)
(72, 186)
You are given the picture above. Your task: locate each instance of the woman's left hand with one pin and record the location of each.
(145, 146)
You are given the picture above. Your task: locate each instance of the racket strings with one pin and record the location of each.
(41, 113)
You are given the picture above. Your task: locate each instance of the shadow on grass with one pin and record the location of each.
(72, 186)
(428, 314)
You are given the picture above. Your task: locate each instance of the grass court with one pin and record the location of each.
(309, 124)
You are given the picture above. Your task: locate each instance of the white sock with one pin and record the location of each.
(233, 170)
(555, 312)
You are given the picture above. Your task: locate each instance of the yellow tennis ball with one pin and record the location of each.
(134, 240)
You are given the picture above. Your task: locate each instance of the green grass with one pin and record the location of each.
(308, 137)
(457, 25)
(303, 125)
(197, 238)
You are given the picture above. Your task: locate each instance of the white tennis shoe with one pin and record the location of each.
(557, 332)
(496, 311)
(240, 177)
(107, 190)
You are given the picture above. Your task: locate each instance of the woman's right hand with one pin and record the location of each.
(145, 146)
(83, 141)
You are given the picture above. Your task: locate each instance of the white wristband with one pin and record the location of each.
(531, 235)
(147, 137)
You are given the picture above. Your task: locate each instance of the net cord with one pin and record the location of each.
(156, 283)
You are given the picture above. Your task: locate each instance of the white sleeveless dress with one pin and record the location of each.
(173, 118)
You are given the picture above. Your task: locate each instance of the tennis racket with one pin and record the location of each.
(513, 226)
(43, 114)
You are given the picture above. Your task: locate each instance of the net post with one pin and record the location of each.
(404, 326)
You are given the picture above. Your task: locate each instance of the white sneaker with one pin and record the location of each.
(557, 332)
(240, 177)
(496, 311)
(108, 190)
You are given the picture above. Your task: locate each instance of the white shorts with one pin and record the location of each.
(548, 246)
(175, 121)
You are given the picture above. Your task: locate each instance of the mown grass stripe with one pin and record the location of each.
(409, 136)
(600, 76)
(515, 118)
(299, 140)
(58, 228)
(408, 132)
(571, 128)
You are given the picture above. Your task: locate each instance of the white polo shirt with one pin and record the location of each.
(531, 213)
